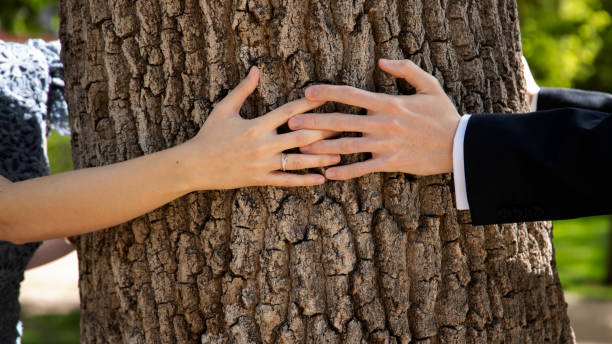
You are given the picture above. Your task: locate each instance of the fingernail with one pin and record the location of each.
(384, 62)
(319, 179)
(330, 174)
(312, 92)
(305, 149)
(336, 159)
(295, 122)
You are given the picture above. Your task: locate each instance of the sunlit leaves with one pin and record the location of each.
(563, 38)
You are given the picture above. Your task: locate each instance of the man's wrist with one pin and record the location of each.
(534, 101)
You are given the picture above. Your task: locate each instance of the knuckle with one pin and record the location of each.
(393, 125)
(333, 120)
(259, 151)
(389, 163)
(347, 91)
(312, 148)
(346, 145)
(332, 160)
(303, 138)
(251, 132)
(343, 175)
(312, 121)
(396, 105)
(290, 108)
(363, 172)
(377, 122)
(324, 161)
(434, 81)
(296, 163)
(393, 145)
(406, 64)
(389, 160)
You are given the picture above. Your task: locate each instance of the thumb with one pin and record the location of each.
(236, 98)
(413, 74)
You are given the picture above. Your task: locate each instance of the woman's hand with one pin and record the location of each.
(231, 152)
(411, 134)
(228, 152)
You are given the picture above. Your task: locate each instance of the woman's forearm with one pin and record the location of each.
(228, 152)
(86, 200)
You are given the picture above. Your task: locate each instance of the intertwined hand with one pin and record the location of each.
(412, 134)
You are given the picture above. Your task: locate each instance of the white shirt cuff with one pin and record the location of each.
(534, 101)
(459, 166)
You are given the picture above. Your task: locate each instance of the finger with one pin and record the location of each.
(333, 121)
(353, 170)
(236, 98)
(303, 161)
(290, 179)
(281, 115)
(301, 138)
(413, 74)
(345, 145)
(378, 102)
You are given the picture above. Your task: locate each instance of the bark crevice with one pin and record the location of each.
(385, 258)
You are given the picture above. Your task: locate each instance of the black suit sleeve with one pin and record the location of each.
(553, 164)
(555, 98)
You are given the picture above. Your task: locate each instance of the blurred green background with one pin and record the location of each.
(568, 43)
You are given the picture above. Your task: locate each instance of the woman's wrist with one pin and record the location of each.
(192, 167)
(176, 170)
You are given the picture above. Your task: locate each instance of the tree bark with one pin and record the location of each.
(385, 258)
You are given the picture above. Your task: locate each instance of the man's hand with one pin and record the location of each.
(411, 134)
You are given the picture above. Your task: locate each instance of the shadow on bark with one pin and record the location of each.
(385, 258)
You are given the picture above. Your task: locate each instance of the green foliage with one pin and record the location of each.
(29, 17)
(60, 153)
(563, 38)
(601, 79)
(51, 328)
(568, 43)
(581, 252)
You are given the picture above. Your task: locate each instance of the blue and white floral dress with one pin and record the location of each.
(31, 104)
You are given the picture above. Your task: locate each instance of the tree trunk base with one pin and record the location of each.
(385, 258)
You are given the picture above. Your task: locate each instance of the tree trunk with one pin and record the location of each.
(384, 258)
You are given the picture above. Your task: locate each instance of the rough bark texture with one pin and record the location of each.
(382, 259)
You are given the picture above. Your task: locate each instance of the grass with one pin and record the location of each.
(54, 328)
(581, 247)
(581, 251)
(51, 328)
(580, 244)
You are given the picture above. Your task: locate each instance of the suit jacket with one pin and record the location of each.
(553, 164)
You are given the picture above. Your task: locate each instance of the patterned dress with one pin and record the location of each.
(31, 103)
